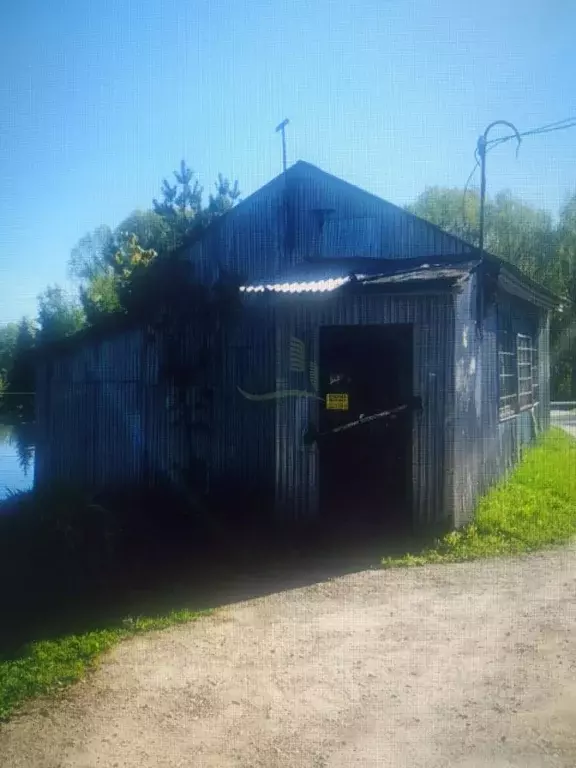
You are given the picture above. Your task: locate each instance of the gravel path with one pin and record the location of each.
(465, 666)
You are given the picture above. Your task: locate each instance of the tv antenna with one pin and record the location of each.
(282, 128)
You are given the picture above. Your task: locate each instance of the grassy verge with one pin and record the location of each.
(46, 666)
(534, 508)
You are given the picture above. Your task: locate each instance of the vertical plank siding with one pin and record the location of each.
(485, 448)
(103, 413)
(297, 464)
(357, 223)
(281, 226)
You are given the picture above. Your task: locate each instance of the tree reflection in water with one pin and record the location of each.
(21, 437)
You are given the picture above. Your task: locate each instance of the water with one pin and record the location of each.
(16, 458)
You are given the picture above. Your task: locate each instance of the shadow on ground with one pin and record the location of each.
(198, 577)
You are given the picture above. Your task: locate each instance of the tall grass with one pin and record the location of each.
(534, 508)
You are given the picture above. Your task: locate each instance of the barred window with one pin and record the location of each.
(508, 373)
(535, 373)
(525, 372)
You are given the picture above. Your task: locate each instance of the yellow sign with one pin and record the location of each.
(337, 401)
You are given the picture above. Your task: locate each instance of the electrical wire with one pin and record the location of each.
(559, 125)
(470, 177)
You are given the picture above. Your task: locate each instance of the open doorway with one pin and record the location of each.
(365, 464)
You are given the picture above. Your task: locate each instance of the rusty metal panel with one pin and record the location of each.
(297, 464)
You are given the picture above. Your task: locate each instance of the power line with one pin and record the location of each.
(558, 125)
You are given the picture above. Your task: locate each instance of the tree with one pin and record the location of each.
(8, 337)
(89, 256)
(17, 402)
(58, 315)
(529, 239)
(151, 229)
(131, 265)
(181, 204)
(563, 330)
(110, 266)
(92, 260)
(100, 298)
(516, 232)
(226, 197)
(451, 210)
(524, 236)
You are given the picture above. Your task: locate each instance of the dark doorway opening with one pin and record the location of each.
(365, 470)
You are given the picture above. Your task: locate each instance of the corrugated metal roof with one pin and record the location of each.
(322, 278)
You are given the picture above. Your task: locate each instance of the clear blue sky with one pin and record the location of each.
(99, 101)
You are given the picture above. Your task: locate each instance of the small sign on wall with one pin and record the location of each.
(337, 401)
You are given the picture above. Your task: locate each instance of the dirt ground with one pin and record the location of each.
(466, 666)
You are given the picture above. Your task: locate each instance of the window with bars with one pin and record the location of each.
(518, 372)
(535, 372)
(508, 373)
(525, 377)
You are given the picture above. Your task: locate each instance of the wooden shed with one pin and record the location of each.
(382, 368)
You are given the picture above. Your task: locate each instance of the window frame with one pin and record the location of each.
(524, 363)
(523, 368)
(507, 348)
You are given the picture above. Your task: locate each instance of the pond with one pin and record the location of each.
(16, 458)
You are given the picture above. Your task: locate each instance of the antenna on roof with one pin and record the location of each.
(282, 128)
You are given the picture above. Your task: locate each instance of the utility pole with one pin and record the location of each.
(481, 149)
(282, 128)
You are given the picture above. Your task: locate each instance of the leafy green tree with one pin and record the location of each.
(151, 229)
(90, 255)
(107, 263)
(8, 337)
(451, 210)
(131, 264)
(518, 233)
(524, 236)
(100, 297)
(58, 315)
(529, 239)
(563, 330)
(17, 401)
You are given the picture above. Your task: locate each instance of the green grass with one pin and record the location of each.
(47, 666)
(535, 507)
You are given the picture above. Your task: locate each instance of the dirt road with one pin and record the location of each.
(466, 666)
